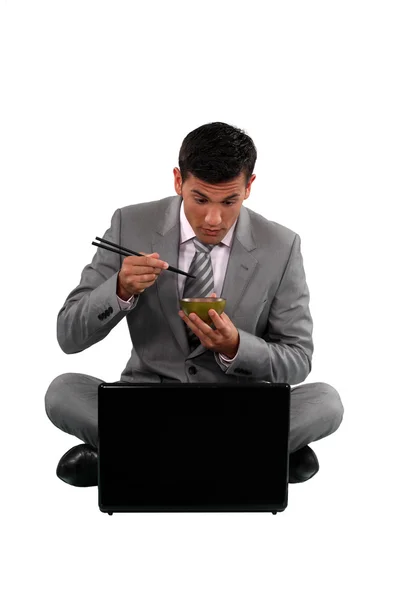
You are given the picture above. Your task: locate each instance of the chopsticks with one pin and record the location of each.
(126, 252)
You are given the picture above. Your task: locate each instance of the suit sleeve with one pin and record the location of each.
(284, 353)
(92, 309)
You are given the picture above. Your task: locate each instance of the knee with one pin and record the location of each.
(54, 399)
(333, 406)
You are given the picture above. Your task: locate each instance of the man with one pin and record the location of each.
(265, 333)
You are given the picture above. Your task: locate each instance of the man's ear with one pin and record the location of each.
(177, 181)
(248, 187)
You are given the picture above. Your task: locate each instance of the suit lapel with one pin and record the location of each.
(242, 264)
(166, 242)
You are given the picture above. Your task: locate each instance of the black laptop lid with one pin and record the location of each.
(198, 447)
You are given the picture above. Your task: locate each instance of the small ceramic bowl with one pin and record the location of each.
(201, 306)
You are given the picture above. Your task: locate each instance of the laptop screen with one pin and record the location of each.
(166, 447)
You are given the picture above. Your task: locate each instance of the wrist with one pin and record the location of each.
(232, 350)
(229, 355)
(122, 293)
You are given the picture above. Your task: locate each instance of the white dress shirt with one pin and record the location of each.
(219, 255)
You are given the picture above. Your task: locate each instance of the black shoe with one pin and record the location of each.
(303, 464)
(78, 466)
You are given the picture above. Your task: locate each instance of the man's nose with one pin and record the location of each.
(213, 216)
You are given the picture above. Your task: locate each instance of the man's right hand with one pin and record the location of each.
(138, 273)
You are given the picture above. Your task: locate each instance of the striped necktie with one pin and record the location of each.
(203, 285)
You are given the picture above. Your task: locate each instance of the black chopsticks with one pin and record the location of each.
(126, 252)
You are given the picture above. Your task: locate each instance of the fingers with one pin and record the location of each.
(147, 263)
(196, 324)
(222, 324)
(140, 272)
(153, 260)
(224, 338)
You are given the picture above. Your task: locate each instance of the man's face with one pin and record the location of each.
(211, 209)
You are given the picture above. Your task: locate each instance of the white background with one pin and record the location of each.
(96, 98)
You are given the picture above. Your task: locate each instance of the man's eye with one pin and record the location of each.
(203, 201)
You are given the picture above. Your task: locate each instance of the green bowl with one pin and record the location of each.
(201, 306)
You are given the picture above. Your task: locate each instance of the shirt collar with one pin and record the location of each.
(187, 232)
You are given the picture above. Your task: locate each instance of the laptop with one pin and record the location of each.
(179, 447)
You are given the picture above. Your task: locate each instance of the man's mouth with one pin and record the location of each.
(211, 231)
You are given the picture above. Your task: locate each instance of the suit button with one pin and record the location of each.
(101, 317)
(111, 310)
(192, 370)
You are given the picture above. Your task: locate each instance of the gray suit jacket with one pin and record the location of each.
(267, 298)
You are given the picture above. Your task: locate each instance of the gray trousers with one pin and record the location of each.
(71, 405)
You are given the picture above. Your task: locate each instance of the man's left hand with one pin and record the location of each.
(223, 339)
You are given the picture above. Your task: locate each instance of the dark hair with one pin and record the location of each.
(216, 153)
